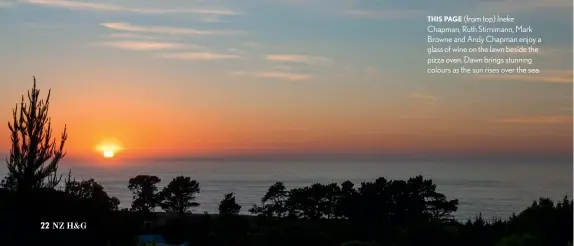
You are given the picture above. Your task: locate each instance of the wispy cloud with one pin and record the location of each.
(236, 51)
(211, 18)
(361, 9)
(128, 35)
(107, 7)
(379, 10)
(546, 76)
(5, 4)
(47, 25)
(251, 44)
(198, 56)
(549, 120)
(428, 99)
(385, 14)
(298, 58)
(146, 45)
(275, 75)
(522, 5)
(284, 68)
(127, 27)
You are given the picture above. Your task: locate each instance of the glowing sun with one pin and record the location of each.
(109, 148)
(109, 153)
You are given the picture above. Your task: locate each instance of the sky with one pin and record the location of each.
(223, 77)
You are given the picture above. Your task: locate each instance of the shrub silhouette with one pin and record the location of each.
(359, 243)
(34, 155)
(519, 240)
(179, 195)
(228, 205)
(144, 190)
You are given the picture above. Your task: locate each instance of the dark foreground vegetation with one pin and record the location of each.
(382, 212)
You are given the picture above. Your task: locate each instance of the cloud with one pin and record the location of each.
(236, 51)
(298, 59)
(428, 99)
(275, 75)
(550, 120)
(127, 27)
(146, 45)
(546, 76)
(6, 4)
(251, 44)
(522, 5)
(211, 18)
(385, 14)
(47, 25)
(284, 68)
(365, 9)
(128, 35)
(379, 10)
(406, 9)
(106, 7)
(198, 56)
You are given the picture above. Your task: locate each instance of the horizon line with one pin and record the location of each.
(339, 156)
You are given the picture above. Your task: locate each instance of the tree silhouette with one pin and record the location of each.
(273, 202)
(331, 198)
(179, 195)
(440, 208)
(144, 190)
(395, 201)
(90, 190)
(550, 222)
(312, 202)
(34, 156)
(9, 182)
(228, 205)
(382, 202)
(344, 206)
(434, 204)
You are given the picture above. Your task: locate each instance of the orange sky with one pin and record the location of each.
(145, 126)
(319, 78)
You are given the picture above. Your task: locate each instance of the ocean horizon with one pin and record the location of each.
(491, 188)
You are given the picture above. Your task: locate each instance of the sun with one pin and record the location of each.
(109, 148)
(109, 153)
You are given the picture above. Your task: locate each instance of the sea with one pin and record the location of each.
(490, 188)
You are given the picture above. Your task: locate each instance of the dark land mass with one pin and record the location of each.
(544, 223)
